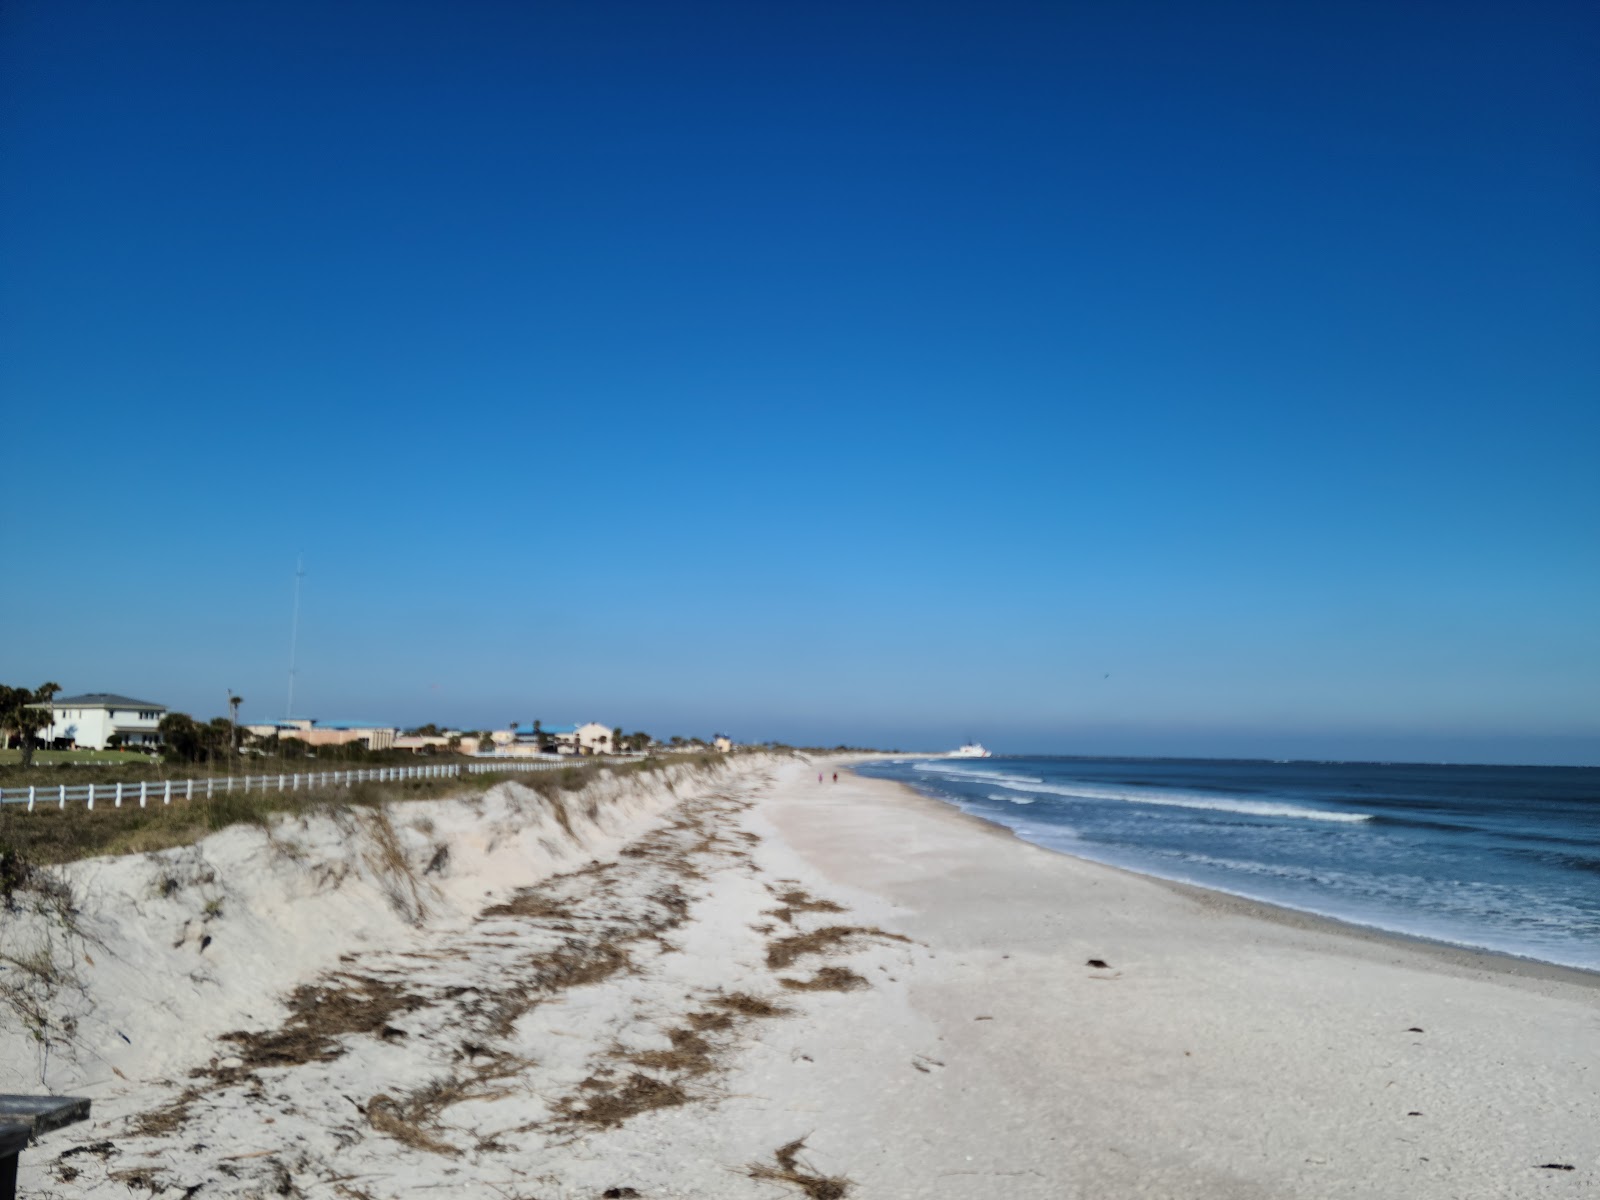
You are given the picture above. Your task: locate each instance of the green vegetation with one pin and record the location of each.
(185, 740)
(56, 758)
(20, 720)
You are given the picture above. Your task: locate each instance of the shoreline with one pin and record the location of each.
(1458, 956)
(721, 983)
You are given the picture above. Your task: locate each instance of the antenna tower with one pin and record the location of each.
(294, 631)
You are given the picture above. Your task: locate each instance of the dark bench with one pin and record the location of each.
(22, 1120)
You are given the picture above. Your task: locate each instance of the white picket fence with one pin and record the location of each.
(147, 791)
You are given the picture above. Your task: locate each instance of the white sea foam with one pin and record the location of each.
(1253, 808)
(1031, 783)
(1013, 799)
(968, 773)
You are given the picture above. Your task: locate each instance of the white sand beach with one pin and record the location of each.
(658, 993)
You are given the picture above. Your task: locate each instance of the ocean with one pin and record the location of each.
(1498, 858)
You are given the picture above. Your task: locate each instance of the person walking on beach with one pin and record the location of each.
(819, 776)
(836, 777)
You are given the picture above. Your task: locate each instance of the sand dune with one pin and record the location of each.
(753, 985)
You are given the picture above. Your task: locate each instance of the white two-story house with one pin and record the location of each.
(89, 722)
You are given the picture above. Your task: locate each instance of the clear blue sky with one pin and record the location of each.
(1138, 378)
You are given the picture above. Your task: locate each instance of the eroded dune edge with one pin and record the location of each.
(459, 993)
(743, 981)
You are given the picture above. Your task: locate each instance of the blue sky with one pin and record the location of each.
(1086, 378)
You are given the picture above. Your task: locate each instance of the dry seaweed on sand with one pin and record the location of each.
(783, 952)
(690, 1054)
(747, 1005)
(321, 1013)
(789, 1170)
(828, 979)
(798, 900)
(607, 1103)
(406, 1121)
(530, 902)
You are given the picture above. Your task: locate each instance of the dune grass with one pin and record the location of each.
(51, 835)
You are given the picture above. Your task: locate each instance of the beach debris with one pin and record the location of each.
(397, 1119)
(609, 1103)
(1413, 1114)
(983, 1018)
(747, 1005)
(1415, 1029)
(321, 1014)
(798, 900)
(1556, 1167)
(1099, 964)
(100, 1150)
(782, 952)
(789, 1170)
(690, 1054)
(827, 979)
(619, 1193)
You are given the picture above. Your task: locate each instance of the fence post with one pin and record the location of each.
(280, 783)
(64, 795)
(119, 796)
(30, 797)
(211, 786)
(167, 799)
(143, 791)
(188, 792)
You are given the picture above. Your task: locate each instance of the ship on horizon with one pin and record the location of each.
(971, 750)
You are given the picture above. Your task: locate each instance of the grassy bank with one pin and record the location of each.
(73, 767)
(50, 835)
(86, 758)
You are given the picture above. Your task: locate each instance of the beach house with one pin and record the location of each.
(333, 733)
(91, 721)
(589, 738)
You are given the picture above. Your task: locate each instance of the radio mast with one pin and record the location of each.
(294, 631)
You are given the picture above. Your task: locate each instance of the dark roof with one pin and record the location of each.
(105, 700)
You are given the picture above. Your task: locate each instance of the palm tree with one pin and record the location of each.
(18, 711)
(233, 724)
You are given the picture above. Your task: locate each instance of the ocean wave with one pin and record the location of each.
(968, 773)
(1013, 799)
(1252, 808)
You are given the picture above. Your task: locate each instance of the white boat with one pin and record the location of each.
(971, 750)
